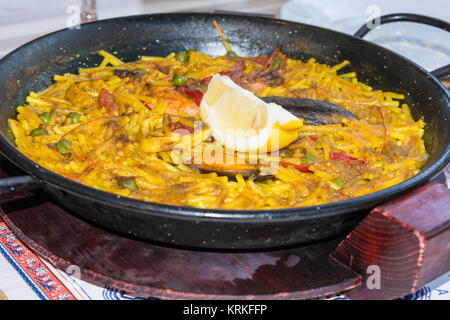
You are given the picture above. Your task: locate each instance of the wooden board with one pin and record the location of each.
(406, 241)
(148, 270)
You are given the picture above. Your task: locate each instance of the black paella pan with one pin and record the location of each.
(32, 66)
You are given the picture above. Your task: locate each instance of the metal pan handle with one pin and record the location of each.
(88, 13)
(409, 17)
(19, 183)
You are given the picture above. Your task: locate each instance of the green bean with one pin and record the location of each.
(75, 117)
(339, 182)
(182, 56)
(38, 132)
(64, 146)
(127, 183)
(308, 158)
(276, 63)
(179, 79)
(45, 117)
(231, 54)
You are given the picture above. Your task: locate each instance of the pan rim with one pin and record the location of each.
(184, 212)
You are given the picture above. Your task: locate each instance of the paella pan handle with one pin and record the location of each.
(19, 183)
(408, 17)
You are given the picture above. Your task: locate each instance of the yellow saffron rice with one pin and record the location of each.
(116, 131)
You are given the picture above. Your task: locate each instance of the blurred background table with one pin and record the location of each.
(24, 20)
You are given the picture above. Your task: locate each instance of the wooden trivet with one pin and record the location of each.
(405, 243)
(144, 269)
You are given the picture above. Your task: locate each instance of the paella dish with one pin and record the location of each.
(146, 130)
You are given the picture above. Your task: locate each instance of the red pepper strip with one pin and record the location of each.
(236, 70)
(229, 74)
(106, 100)
(299, 167)
(194, 94)
(259, 60)
(180, 128)
(314, 138)
(239, 66)
(207, 80)
(182, 131)
(343, 156)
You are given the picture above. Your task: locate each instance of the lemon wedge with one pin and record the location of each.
(241, 121)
